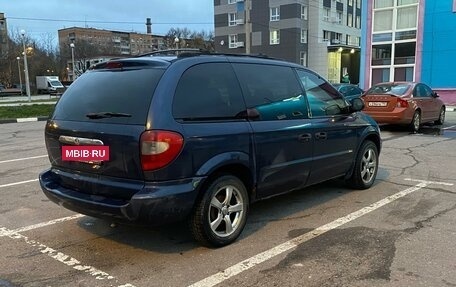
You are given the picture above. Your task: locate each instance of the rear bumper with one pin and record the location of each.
(399, 116)
(156, 203)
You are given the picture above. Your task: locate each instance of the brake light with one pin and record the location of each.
(401, 103)
(159, 148)
(113, 65)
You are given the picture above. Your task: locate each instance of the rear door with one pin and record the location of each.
(334, 130)
(430, 106)
(105, 107)
(281, 128)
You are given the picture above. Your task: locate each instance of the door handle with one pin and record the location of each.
(304, 137)
(321, 136)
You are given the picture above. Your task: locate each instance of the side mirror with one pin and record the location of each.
(435, 95)
(356, 105)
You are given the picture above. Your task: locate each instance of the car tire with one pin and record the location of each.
(366, 166)
(416, 122)
(221, 214)
(441, 119)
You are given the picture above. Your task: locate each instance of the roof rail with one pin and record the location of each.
(174, 52)
(189, 52)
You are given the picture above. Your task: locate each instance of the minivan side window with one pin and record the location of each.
(208, 91)
(323, 98)
(273, 91)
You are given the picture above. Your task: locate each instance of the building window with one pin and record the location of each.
(337, 38)
(406, 2)
(233, 39)
(350, 20)
(274, 37)
(303, 58)
(358, 4)
(383, 3)
(381, 55)
(326, 14)
(305, 12)
(303, 36)
(383, 20)
(275, 13)
(350, 2)
(358, 22)
(339, 17)
(406, 17)
(232, 19)
(326, 35)
(380, 75)
(232, 1)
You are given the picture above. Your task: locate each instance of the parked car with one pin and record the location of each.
(404, 103)
(349, 91)
(200, 137)
(12, 91)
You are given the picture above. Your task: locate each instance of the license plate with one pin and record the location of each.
(85, 153)
(377, 104)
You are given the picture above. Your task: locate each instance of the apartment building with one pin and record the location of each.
(3, 35)
(410, 40)
(321, 34)
(92, 45)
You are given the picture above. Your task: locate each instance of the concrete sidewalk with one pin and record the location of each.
(10, 101)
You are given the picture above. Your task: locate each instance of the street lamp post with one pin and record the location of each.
(176, 41)
(72, 60)
(27, 81)
(19, 70)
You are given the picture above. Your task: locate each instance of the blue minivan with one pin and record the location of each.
(200, 137)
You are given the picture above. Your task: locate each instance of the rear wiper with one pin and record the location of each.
(103, 115)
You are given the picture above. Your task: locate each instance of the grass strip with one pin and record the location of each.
(26, 111)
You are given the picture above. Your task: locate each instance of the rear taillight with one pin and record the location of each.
(159, 148)
(401, 103)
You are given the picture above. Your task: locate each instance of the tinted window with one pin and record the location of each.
(323, 98)
(353, 91)
(422, 91)
(116, 91)
(389, 89)
(273, 91)
(208, 91)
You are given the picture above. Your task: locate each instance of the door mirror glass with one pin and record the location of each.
(356, 105)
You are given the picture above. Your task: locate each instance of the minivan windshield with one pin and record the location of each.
(109, 93)
(389, 89)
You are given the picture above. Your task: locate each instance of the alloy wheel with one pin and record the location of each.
(226, 211)
(368, 165)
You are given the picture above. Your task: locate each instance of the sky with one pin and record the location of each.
(44, 17)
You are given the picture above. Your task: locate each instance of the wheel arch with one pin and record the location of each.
(368, 135)
(236, 164)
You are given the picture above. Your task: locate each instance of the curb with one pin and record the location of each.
(23, 120)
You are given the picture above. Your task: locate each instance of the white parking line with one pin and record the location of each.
(44, 224)
(62, 258)
(447, 128)
(24, 158)
(19, 182)
(284, 247)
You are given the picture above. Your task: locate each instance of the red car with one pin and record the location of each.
(404, 103)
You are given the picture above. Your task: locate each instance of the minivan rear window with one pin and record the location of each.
(109, 93)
